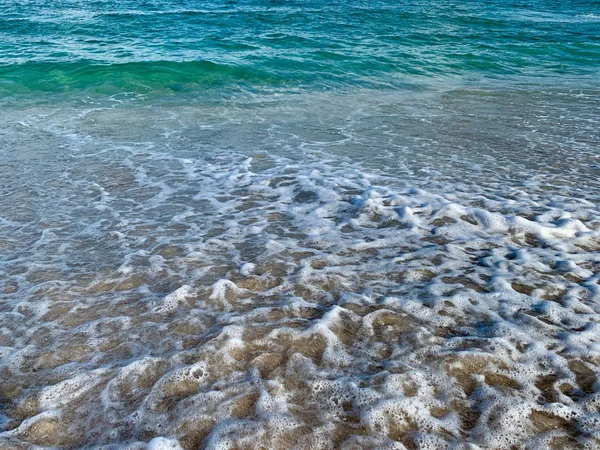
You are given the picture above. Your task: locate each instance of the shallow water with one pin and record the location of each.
(243, 243)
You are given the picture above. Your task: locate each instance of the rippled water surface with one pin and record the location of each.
(300, 224)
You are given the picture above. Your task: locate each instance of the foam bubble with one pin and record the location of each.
(161, 443)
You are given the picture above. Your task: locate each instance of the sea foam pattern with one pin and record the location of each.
(249, 299)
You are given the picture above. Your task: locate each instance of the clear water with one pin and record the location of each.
(299, 224)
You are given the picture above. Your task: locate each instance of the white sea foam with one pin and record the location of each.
(237, 299)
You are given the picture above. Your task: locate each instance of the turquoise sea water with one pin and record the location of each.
(300, 224)
(189, 48)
